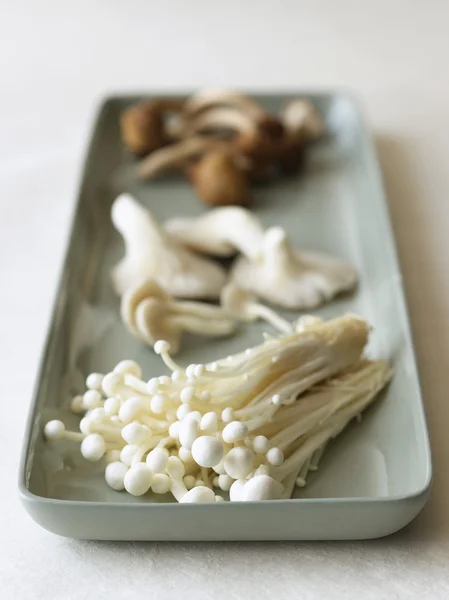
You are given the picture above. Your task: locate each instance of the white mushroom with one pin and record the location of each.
(151, 253)
(302, 120)
(199, 494)
(219, 232)
(138, 479)
(260, 419)
(207, 451)
(261, 487)
(238, 462)
(152, 315)
(286, 277)
(241, 304)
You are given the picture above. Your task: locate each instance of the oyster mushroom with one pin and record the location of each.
(152, 253)
(151, 314)
(283, 276)
(241, 304)
(220, 232)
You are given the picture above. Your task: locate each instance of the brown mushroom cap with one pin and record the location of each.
(270, 156)
(219, 181)
(142, 128)
(302, 120)
(142, 125)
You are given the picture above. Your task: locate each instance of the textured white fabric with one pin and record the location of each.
(56, 60)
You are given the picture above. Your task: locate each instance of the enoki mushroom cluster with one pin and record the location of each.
(253, 424)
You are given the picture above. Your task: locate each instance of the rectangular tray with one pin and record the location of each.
(374, 479)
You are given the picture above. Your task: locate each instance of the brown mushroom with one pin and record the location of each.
(210, 98)
(269, 157)
(302, 120)
(219, 181)
(142, 125)
(216, 120)
(175, 156)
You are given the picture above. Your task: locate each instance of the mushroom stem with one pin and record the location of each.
(199, 309)
(316, 458)
(169, 362)
(204, 326)
(175, 156)
(239, 303)
(153, 316)
(219, 119)
(270, 316)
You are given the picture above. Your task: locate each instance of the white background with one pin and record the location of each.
(57, 59)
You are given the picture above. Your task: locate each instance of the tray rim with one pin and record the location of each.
(101, 107)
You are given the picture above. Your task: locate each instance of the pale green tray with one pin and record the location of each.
(376, 476)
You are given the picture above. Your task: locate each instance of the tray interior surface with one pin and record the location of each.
(333, 205)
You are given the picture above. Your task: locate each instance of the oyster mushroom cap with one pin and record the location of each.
(219, 232)
(150, 253)
(286, 277)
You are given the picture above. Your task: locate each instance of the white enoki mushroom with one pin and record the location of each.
(220, 232)
(244, 425)
(151, 314)
(283, 276)
(151, 253)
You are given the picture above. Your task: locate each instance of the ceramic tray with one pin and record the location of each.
(375, 477)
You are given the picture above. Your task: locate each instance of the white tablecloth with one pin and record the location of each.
(57, 59)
